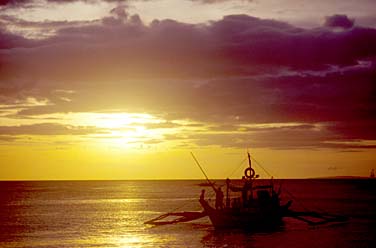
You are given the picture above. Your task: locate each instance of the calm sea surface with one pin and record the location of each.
(111, 214)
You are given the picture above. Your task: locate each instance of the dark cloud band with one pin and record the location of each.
(239, 69)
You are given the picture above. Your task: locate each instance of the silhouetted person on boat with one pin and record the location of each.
(202, 196)
(245, 189)
(227, 189)
(247, 186)
(218, 198)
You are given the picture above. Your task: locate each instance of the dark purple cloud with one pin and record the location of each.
(13, 2)
(237, 70)
(294, 137)
(354, 130)
(237, 44)
(9, 40)
(21, 3)
(339, 21)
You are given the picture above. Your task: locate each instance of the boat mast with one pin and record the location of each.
(227, 196)
(250, 180)
(249, 160)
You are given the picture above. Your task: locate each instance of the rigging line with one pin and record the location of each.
(221, 185)
(181, 206)
(316, 208)
(288, 192)
(237, 168)
(262, 167)
(296, 200)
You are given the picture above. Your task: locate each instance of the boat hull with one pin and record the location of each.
(250, 218)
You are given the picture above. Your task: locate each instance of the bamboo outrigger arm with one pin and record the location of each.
(183, 217)
(315, 217)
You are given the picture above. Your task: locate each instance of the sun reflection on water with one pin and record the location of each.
(131, 241)
(134, 241)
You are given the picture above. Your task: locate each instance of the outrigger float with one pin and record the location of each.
(259, 207)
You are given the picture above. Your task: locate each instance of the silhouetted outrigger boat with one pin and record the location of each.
(259, 207)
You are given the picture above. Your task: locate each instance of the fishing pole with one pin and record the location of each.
(203, 172)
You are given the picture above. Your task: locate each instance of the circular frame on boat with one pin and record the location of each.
(249, 173)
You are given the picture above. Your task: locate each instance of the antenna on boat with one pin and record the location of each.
(203, 172)
(249, 159)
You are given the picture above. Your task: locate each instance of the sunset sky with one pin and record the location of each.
(112, 89)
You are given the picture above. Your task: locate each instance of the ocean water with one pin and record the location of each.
(112, 213)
